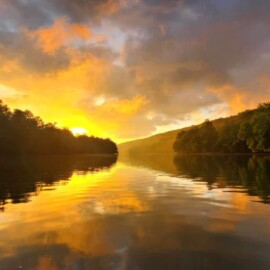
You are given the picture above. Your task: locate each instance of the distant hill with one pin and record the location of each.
(159, 143)
(163, 142)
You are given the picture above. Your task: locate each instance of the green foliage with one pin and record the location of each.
(228, 140)
(249, 131)
(256, 131)
(23, 133)
(197, 139)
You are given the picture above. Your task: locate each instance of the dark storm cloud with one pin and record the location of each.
(204, 42)
(37, 13)
(16, 13)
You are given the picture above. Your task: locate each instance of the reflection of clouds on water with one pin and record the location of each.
(131, 217)
(99, 208)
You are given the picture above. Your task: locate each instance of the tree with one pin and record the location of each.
(248, 131)
(256, 132)
(208, 136)
(23, 133)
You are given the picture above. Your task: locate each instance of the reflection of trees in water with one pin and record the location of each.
(253, 173)
(21, 177)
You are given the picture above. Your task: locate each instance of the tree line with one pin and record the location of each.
(23, 133)
(247, 132)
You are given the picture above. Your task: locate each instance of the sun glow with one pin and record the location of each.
(78, 131)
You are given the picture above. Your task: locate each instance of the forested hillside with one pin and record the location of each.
(23, 133)
(246, 132)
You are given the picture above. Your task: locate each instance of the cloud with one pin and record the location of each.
(18, 52)
(134, 66)
(61, 33)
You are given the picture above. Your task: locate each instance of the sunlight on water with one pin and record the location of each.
(134, 214)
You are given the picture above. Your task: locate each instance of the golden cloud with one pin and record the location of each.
(61, 33)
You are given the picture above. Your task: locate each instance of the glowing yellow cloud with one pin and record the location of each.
(127, 106)
(56, 96)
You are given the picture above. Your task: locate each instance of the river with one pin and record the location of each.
(148, 212)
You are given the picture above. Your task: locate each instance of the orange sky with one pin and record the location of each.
(131, 68)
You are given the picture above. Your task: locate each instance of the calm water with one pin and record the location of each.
(140, 213)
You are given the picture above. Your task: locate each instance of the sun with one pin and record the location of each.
(78, 131)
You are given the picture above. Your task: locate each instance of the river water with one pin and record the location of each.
(149, 212)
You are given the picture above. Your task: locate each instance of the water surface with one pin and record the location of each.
(140, 212)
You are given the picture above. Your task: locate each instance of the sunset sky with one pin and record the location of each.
(126, 69)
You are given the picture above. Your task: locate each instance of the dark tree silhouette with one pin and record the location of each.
(23, 133)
